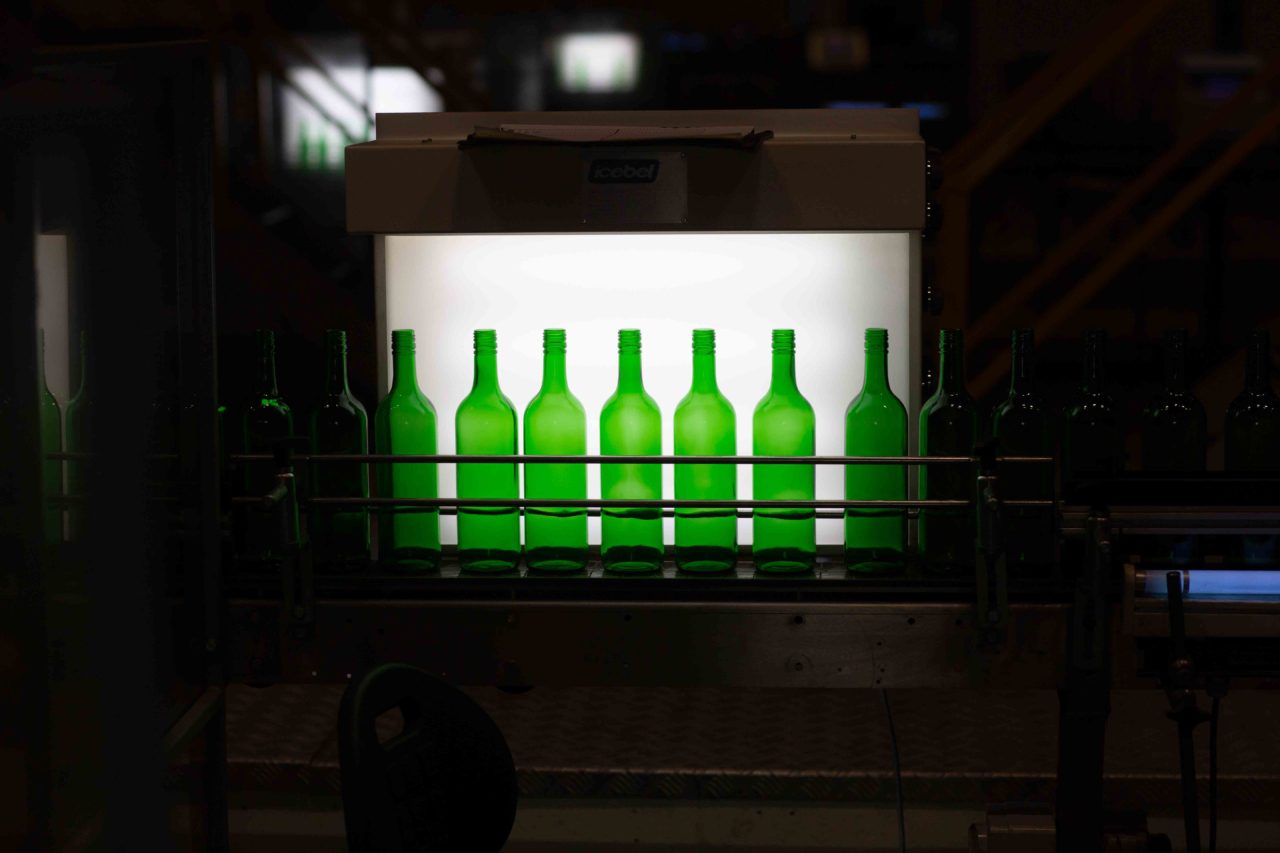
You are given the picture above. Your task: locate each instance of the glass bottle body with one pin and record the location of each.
(784, 540)
(50, 442)
(1091, 438)
(79, 428)
(705, 425)
(1021, 426)
(339, 426)
(875, 424)
(631, 425)
(948, 427)
(1252, 438)
(555, 424)
(486, 425)
(266, 421)
(405, 424)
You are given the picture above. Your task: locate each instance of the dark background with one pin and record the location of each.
(1076, 99)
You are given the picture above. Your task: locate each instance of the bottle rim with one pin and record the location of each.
(875, 339)
(628, 340)
(784, 340)
(704, 341)
(485, 341)
(402, 340)
(553, 340)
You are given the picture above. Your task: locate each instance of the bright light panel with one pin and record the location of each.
(827, 286)
(598, 62)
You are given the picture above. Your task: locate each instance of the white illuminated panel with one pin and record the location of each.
(827, 286)
(598, 62)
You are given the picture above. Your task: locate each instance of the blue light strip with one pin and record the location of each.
(1217, 583)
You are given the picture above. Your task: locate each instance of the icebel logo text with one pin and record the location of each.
(623, 171)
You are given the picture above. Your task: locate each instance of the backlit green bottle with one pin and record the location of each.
(705, 425)
(555, 424)
(339, 425)
(79, 428)
(405, 424)
(1020, 424)
(50, 442)
(875, 424)
(784, 541)
(488, 537)
(948, 427)
(631, 425)
(267, 420)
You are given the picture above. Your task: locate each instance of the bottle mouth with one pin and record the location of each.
(336, 339)
(1024, 339)
(553, 340)
(628, 340)
(784, 340)
(950, 338)
(486, 341)
(402, 340)
(704, 341)
(266, 340)
(876, 340)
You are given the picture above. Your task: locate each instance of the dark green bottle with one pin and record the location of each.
(948, 427)
(50, 442)
(875, 424)
(555, 424)
(405, 424)
(1021, 426)
(485, 424)
(631, 425)
(267, 420)
(705, 425)
(1174, 424)
(339, 425)
(784, 541)
(1091, 441)
(1252, 433)
(79, 428)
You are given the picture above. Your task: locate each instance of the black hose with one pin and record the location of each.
(897, 773)
(1213, 776)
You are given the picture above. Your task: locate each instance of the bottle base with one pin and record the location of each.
(487, 561)
(703, 560)
(411, 561)
(556, 561)
(783, 561)
(632, 560)
(874, 562)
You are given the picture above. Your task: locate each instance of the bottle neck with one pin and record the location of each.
(335, 379)
(553, 371)
(876, 374)
(1175, 371)
(267, 373)
(486, 372)
(1257, 376)
(951, 370)
(1022, 375)
(404, 370)
(630, 380)
(1094, 375)
(704, 372)
(784, 371)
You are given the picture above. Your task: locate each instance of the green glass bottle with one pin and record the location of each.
(266, 421)
(339, 425)
(875, 424)
(705, 425)
(79, 429)
(1252, 433)
(1020, 425)
(50, 442)
(631, 425)
(555, 424)
(1174, 424)
(784, 541)
(405, 424)
(1091, 440)
(948, 427)
(488, 537)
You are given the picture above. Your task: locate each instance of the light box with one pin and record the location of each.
(744, 222)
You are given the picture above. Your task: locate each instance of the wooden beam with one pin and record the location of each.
(1139, 240)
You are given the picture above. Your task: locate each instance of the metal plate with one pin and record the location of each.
(630, 187)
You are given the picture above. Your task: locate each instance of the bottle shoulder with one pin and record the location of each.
(486, 400)
(405, 401)
(555, 401)
(783, 401)
(884, 403)
(630, 401)
(704, 402)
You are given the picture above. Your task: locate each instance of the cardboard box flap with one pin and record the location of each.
(562, 134)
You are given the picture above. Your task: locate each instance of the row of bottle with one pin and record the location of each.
(783, 424)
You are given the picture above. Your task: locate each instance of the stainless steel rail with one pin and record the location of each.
(638, 460)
